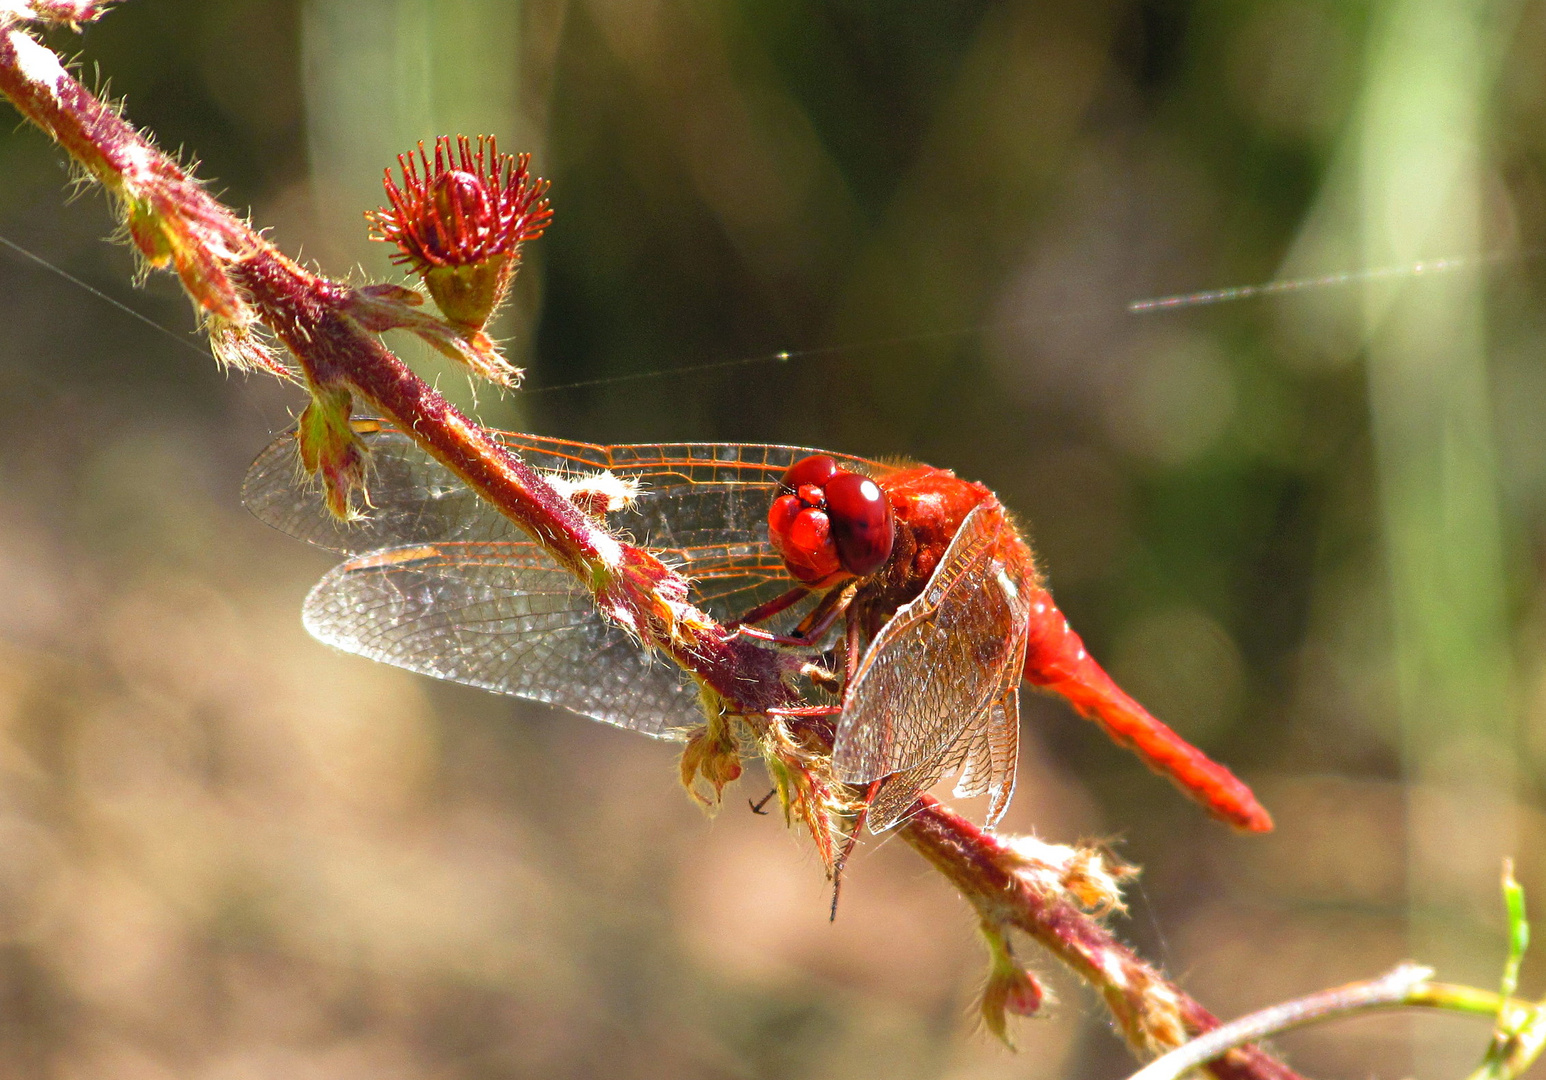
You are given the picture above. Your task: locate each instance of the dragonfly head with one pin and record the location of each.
(830, 524)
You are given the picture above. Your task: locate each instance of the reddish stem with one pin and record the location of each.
(1154, 1015)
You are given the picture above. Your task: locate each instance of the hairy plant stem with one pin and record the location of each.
(233, 273)
(1151, 1012)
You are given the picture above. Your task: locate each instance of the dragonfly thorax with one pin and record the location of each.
(928, 506)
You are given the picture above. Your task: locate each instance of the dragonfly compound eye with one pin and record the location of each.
(803, 536)
(860, 517)
(816, 469)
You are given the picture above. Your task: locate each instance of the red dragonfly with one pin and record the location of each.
(942, 606)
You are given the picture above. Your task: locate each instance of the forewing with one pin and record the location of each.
(934, 671)
(693, 496)
(503, 617)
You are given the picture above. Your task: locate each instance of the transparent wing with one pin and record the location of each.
(705, 527)
(897, 795)
(503, 617)
(694, 495)
(728, 580)
(445, 585)
(414, 499)
(928, 682)
(990, 764)
(986, 756)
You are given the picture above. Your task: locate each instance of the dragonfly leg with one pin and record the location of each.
(765, 611)
(832, 606)
(757, 807)
(811, 629)
(807, 710)
(851, 640)
(781, 640)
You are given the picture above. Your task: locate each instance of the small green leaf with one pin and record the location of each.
(1518, 929)
(1520, 1033)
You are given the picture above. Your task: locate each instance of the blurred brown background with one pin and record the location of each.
(1307, 528)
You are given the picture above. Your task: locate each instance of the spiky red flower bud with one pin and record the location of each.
(460, 200)
(459, 221)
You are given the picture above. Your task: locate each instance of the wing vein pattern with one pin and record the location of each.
(931, 695)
